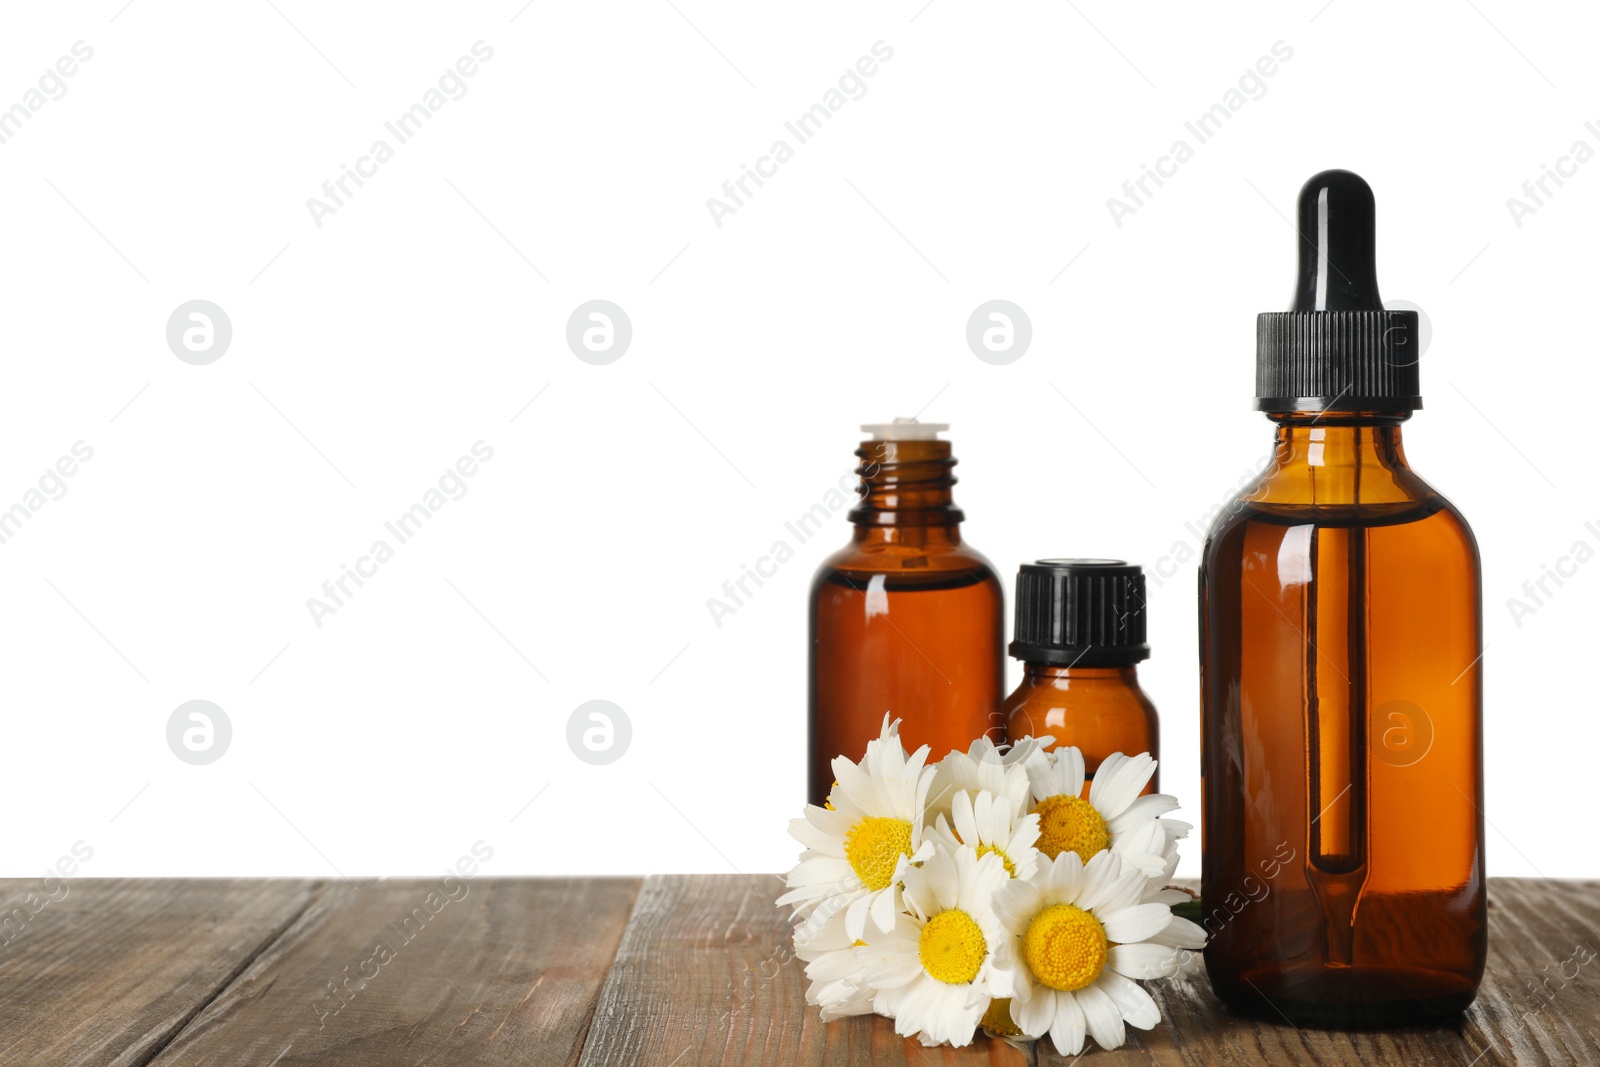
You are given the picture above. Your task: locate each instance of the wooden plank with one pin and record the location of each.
(129, 973)
(1540, 1000)
(705, 975)
(98, 972)
(486, 972)
(1537, 931)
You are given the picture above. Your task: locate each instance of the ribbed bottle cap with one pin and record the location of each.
(1337, 349)
(1080, 613)
(904, 429)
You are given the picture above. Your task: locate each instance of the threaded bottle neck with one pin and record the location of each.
(906, 483)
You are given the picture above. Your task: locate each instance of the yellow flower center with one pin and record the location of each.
(984, 850)
(997, 1020)
(874, 845)
(1065, 947)
(953, 947)
(1070, 824)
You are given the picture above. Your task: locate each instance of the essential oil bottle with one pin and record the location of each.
(906, 618)
(1080, 633)
(1341, 670)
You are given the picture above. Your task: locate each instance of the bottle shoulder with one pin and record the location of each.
(1430, 519)
(1097, 717)
(1374, 496)
(1035, 695)
(894, 558)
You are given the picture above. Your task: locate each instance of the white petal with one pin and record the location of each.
(961, 814)
(1150, 863)
(858, 1004)
(943, 881)
(1102, 1016)
(981, 877)
(1142, 808)
(1067, 1029)
(1158, 895)
(1144, 961)
(1070, 770)
(883, 906)
(1036, 1014)
(995, 816)
(855, 919)
(1002, 982)
(1100, 878)
(1137, 923)
(1123, 887)
(1024, 835)
(1065, 878)
(919, 797)
(832, 966)
(1017, 902)
(1134, 1003)
(1118, 781)
(820, 870)
(1181, 933)
(856, 786)
(892, 972)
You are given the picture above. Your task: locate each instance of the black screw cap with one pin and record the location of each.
(1080, 613)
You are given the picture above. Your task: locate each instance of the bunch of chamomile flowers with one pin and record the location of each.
(986, 890)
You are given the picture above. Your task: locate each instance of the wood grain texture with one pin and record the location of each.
(483, 972)
(1540, 998)
(687, 970)
(705, 975)
(108, 971)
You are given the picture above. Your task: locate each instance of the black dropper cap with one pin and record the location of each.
(1336, 348)
(1080, 613)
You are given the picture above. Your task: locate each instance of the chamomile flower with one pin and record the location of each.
(984, 765)
(986, 823)
(859, 846)
(1114, 816)
(1079, 935)
(934, 973)
(833, 966)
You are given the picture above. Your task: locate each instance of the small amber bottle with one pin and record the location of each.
(907, 618)
(1080, 634)
(1341, 667)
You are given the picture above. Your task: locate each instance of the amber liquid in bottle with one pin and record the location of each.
(1343, 829)
(905, 619)
(1097, 710)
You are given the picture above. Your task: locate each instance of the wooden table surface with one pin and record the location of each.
(667, 971)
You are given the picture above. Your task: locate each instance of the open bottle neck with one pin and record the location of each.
(907, 493)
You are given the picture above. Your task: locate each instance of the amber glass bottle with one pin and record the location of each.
(1080, 633)
(906, 618)
(1341, 641)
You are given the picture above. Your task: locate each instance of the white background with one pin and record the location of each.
(368, 354)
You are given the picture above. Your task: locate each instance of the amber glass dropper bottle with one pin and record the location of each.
(906, 618)
(1341, 657)
(1080, 634)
